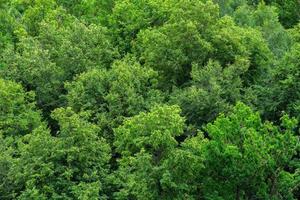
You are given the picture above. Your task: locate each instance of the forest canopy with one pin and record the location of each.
(149, 99)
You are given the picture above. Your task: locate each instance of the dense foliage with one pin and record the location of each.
(149, 99)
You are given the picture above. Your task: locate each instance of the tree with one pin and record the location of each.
(288, 11)
(228, 7)
(7, 25)
(232, 42)
(18, 117)
(280, 94)
(76, 47)
(197, 39)
(295, 33)
(72, 165)
(32, 12)
(130, 17)
(110, 95)
(32, 67)
(18, 113)
(172, 54)
(95, 11)
(141, 99)
(144, 142)
(213, 90)
(247, 158)
(43, 63)
(265, 18)
(6, 159)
